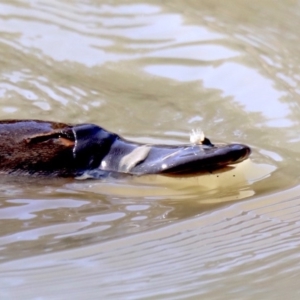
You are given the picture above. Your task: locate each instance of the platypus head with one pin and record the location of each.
(97, 150)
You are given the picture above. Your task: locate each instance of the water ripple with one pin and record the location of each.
(152, 71)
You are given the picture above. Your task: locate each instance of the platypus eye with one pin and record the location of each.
(63, 137)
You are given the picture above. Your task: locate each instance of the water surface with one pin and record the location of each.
(152, 72)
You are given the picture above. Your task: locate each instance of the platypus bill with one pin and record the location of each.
(41, 148)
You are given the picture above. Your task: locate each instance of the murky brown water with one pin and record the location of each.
(152, 71)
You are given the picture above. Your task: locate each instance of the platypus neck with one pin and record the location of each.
(92, 143)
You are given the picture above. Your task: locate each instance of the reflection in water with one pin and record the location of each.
(94, 211)
(152, 72)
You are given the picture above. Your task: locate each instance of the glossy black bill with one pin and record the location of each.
(41, 148)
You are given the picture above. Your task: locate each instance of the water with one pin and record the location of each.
(152, 72)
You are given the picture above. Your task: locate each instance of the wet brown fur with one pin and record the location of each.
(36, 148)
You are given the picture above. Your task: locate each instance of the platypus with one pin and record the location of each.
(51, 149)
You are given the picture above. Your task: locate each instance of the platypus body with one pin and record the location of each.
(41, 148)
